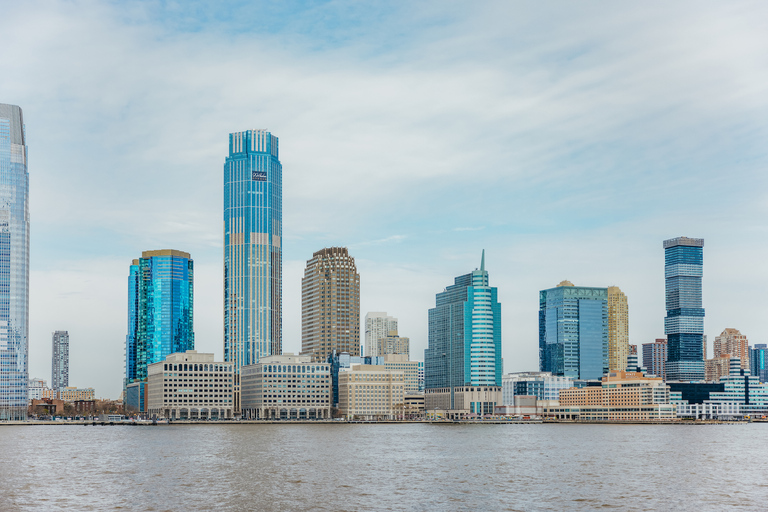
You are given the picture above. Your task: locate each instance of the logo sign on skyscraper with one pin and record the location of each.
(259, 176)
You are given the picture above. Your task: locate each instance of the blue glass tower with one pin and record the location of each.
(14, 264)
(253, 206)
(684, 323)
(160, 310)
(464, 335)
(758, 357)
(573, 331)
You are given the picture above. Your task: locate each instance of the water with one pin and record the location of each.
(383, 467)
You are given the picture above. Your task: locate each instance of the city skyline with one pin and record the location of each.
(576, 143)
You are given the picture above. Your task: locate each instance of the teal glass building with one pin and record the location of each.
(14, 264)
(464, 335)
(160, 310)
(758, 357)
(252, 250)
(684, 323)
(573, 331)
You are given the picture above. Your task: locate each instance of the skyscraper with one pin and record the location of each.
(253, 258)
(14, 264)
(733, 343)
(573, 331)
(60, 361)
(330, 305)
(618, 329)
(684, 323)
(758, 357)
(464, 337)
(378, 325)
(160, 310)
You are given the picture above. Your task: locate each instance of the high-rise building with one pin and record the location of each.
(734, 344)
(253, 257)
(60, 361)
(14, 264)
(464, 340)
(655, 357)
(377, 325)
(394, 344)
(718, 366)
(573, 331)
(684, 323)
(758, 357)
(618, 329)
(160, 310)
(330, 305)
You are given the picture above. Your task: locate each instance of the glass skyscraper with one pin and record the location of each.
(60, 361)
(573, 331)
(253, 206)
(684, 323)
(160, 310)
(464, 335)
(14, 264)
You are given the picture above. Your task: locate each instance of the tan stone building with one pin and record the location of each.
(410, 369)
(734, 344)
(190, 385)
(618, 329)
(330, 305)
(623, 396)
(394, 344)
(371, 392)
(72, 394)
(286, 387)
(717, 367)
(469, 401)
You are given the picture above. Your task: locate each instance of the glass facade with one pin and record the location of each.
(684, 323)
(573, 331)
(757, 361)
(160, 310)
(252, 250)
(14, 264)
(464, 335)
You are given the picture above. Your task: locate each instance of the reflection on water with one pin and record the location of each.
(383, 467)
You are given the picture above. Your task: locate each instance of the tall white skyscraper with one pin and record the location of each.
(377, 326)
(14, 264)
(60, 361)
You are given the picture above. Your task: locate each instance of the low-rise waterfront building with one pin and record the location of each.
(371, 392)
(71, 394)
(190, 385)
(542, 385)
(468, 401)
(707, 410)
(414, 406)
(623, 396)
(286, 387)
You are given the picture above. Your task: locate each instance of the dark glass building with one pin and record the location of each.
(464, 335)
(684, 323)
(758, 357)
(573, 331)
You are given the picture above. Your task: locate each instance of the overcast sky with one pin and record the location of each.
(566, 139)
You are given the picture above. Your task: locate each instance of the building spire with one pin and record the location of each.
(482, 262)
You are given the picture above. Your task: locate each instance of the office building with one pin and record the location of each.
(36, 389)
(757, 361)
(573, 331)
(371, 392)
(655, 357)
(393, 344)
(253, 257)
(542, 385)
(14, 264)
(190, 385)
(684, 323)
(464, 345)
(330, 305)
(74, 394)
(160, 314)
(623, 396)
(410, 369)
(618, 329)
(744, 389)
(60, 360)
(378, 325)
(286, 387)
(734, 344)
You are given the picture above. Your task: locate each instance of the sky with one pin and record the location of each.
(567, 139)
